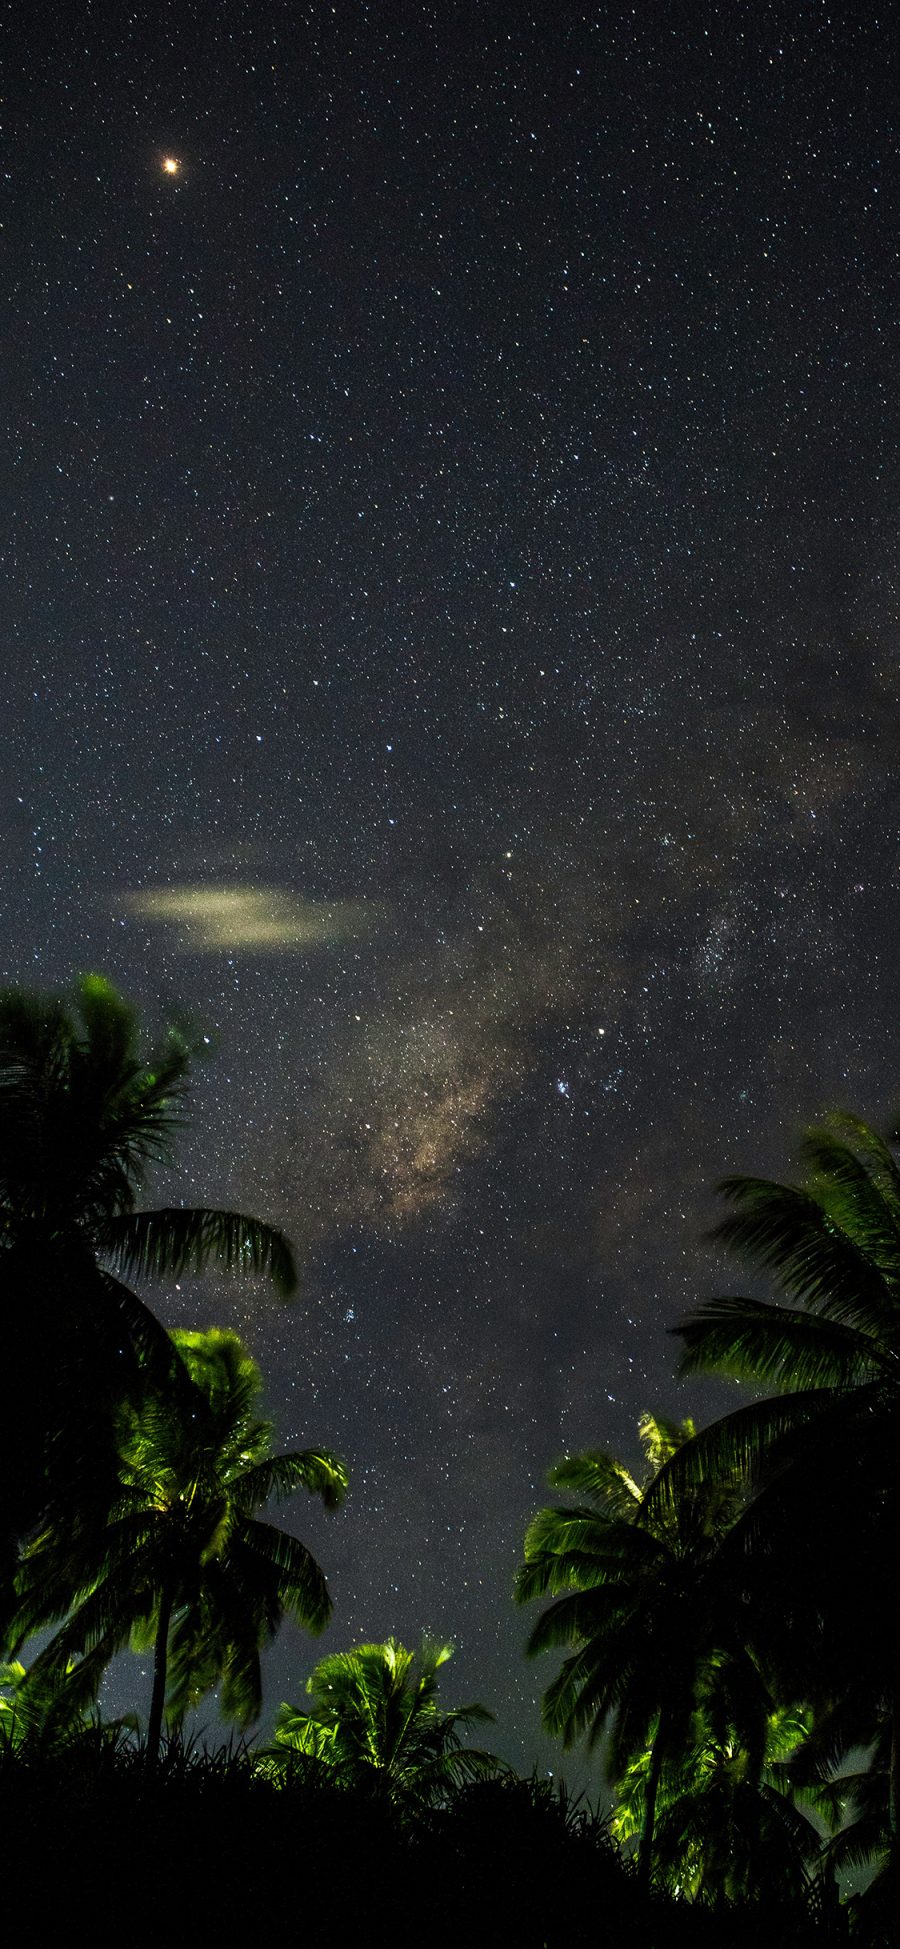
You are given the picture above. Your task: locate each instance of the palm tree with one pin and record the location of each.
(183, 1563)
(83, 1116)
(854, 1804)
(50, 1711)
(375, 1723)
(639, 1597)
(725, 1827)
(824, 1453)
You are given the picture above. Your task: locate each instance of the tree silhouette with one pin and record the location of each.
(83, 1116)
(824, 1453)
(640, 1601)
(183, 1563)
(725, 1827)
(49, 1710)
(375, 1722)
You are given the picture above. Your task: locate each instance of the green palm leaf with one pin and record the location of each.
(242, 1683)
(820, 1462)
(375, 1723)
(179, 1564)
(788, 1231)
(83, 1113)
(855, 1175)
(779, 1346)
(278, 1476)
(600, 1477)
(151, 1244)
(738, 1446)
(302, 1587)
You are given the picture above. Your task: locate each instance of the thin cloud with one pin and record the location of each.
(211, 919)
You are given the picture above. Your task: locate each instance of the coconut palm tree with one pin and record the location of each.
(824, 1452)
(50, 1711)
(184, 1565)
(726, 1828)
(640, 1600)
(843, 1771)
(375, 1723)
(83, 1116)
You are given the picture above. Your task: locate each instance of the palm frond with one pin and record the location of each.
(242, 1684)
(854, 1200)
(302, 1585)
(583, 1617)
(572, 1548)
(737, 1446)
(60, 1570)
(660, 1437)
(607, 1482)
(153, 1244)
(580, 1699)
(303, 1732)
(102, 1623)
(278, 1476)
(609, 1538)
(818, 1264)
(375, 1723)
(864, 1841)
(138, 1328)
(778, 1346)
(874, 1152)
(550, 1573)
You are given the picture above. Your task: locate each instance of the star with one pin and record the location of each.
(171, 166)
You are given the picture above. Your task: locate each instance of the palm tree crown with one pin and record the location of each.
(375, 1722)
(183, 1562)
(639, 1599)
(725, 1825)
(83, 1116)
(823, 1454)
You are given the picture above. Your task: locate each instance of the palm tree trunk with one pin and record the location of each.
(645, 1849)
(160, 1676)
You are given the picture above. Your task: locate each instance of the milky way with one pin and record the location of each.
(450, 610)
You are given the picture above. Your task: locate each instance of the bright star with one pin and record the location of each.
(171, 165)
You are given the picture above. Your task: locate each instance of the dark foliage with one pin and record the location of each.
(85, 1115)
(374, 1720)
(209, 1842)
(812, 1549)
(182, 1564)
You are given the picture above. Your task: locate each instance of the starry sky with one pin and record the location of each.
(450, 626)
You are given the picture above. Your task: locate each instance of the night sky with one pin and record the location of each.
(450, 614)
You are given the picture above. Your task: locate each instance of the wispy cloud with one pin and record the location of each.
(209, 919)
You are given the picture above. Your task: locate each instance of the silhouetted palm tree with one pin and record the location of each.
(183, 1563)
(375, 1722)
(83, 1115)
(824, 1453)
(726, 1828)
(850, 1732)
(640, 1600)
(48, 1710)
